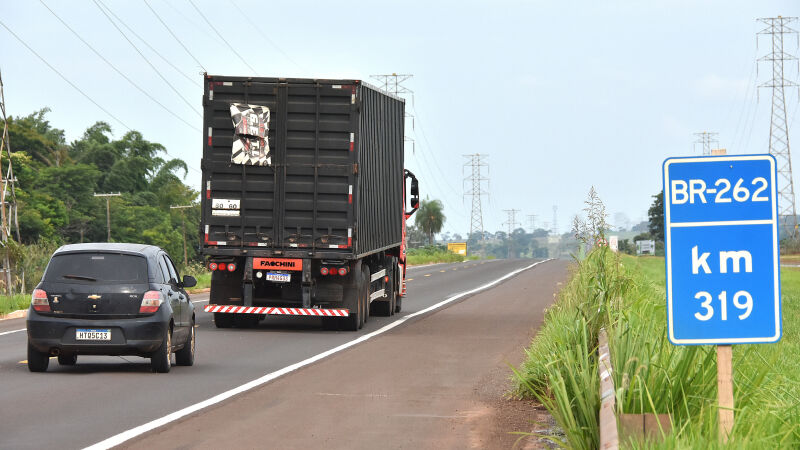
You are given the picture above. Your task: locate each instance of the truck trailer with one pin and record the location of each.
(304, 206)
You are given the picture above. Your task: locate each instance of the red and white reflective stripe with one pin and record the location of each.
(350, 194)
(352, 141)
(209, 133)
(349, 237)
(230, 309)
(211, 90)
(207, 242)
(208, 195)
(353, 96)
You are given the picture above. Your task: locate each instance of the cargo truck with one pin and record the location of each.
(304, 200)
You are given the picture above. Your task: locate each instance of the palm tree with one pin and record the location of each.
(430, 218)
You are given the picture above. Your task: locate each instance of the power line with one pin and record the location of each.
(174, 36)
(153, 49)
(99, 106)
(258, 30)
(220, 36)
(122, 74)
(158, 72)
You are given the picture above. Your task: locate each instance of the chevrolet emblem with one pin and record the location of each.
(94, 296)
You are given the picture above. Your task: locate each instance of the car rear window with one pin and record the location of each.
(96, 268)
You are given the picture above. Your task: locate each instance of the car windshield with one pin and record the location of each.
(96, 268)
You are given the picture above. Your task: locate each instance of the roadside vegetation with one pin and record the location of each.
(432, 254)
(626, 295)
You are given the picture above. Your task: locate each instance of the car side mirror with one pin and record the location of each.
(189, 281)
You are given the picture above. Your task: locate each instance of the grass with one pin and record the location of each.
(430, 255)
(11, 303)
(627, 296)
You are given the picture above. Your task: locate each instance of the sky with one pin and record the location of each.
(559, 96)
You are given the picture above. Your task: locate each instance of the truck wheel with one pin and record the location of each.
(353, 301)
(245, 320)
(330, 323)
(223, 320)
(398, 304)
(37, 361)
(161, 359)
(367, 285)
(67, 359)
(185, 356)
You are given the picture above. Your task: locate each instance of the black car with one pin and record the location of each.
(111, 299)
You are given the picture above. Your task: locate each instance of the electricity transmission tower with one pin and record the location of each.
(555, 220)
(512, 225)
(532, 222)
(476, 162)
(393, 84)
(8, 206)
(706, 139)
(512, 220)
(777, 28)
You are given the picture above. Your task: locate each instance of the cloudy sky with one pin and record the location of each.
(560, 96)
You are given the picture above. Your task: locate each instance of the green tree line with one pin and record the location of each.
(57, 180)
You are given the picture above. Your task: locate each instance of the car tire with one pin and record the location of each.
(161, 359)
(67, 359)
(223, 320)
(37, 361)
(185, 356)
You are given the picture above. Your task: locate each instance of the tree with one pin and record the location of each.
(430, 218)
(656, 217)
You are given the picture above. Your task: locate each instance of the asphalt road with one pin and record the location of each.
(74, 407)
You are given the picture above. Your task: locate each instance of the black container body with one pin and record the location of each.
(333, 186)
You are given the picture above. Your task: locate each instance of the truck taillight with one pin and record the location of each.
(323, 270)
(222, 266)
(231, 267)
(151, 301)
(212, 266)
(343, 271)
(39, 301)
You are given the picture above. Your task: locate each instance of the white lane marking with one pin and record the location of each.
(12, 331)
(199, 301)
(141, 429)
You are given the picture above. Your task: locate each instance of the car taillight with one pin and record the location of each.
(212, 266)
(323, 270)
(39, 301)
(343, 271)
(231, 267)
(151, 301)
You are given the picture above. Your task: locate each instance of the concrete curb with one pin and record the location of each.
(15, 315)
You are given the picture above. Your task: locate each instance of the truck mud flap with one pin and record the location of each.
(269, 310)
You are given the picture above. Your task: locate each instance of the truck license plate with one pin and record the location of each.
(279, 277)
(84, 334)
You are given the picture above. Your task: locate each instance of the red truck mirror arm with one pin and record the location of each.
(414, 192)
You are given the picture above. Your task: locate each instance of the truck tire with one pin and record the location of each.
(398, 304)
(37, 361)
(367, 287)
(223, 320)
(353, 302)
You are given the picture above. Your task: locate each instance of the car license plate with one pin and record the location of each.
(279, 277)
(84, 334)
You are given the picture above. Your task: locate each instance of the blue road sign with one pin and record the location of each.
(721, 242)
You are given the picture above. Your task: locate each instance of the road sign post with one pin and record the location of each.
(722, 257)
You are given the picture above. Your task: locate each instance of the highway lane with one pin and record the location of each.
(73, 407)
